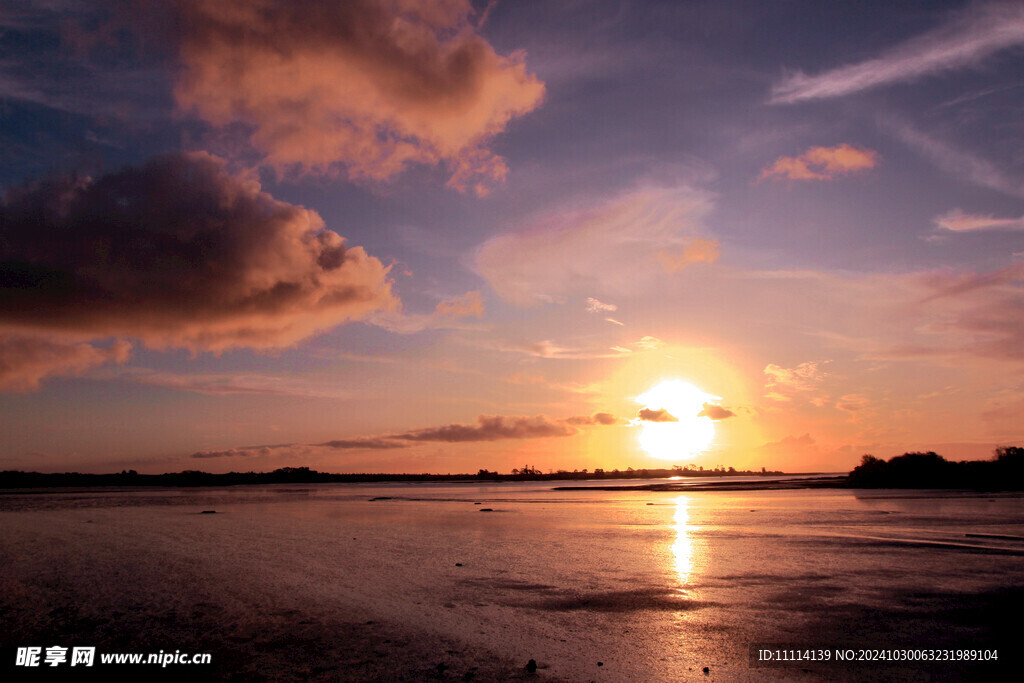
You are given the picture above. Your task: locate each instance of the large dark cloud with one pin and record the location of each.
(177, 253)
(374, 85)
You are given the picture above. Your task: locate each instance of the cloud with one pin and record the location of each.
(445, 315)
(370, 443)
(359, 443)
(227, 384)
(491, 428)
(782, 383)
(789, 446)
(715, 412)
(178, 253)
(595, 306)
(981, 313)
(595, 419)
(487, 428)
(954, 161)
(852, 403)
(822, 163)
(245, 451)
(469, 304)
(699, 250)
(372, 85)
(954, 284)
(598, 251)
(549, 349)
(968, 38)
(958, 221)
(26, 360)
(660, 415)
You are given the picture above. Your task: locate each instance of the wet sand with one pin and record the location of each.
(325, 584)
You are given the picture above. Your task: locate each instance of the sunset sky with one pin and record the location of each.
(443, 235)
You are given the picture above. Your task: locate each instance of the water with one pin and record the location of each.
(283, 580)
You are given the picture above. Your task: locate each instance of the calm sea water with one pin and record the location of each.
(593, 585)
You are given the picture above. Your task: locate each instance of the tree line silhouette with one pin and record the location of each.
(1005, 471)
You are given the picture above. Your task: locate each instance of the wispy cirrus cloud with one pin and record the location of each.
(958, 221)
(228, 384)
(966, 39)
(822, 163)
(550, 349)
(597, 251)
(954, 160)
(447, 314)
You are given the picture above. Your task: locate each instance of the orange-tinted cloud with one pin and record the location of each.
(446, 315)
(783, 383)
(469, 304)
(822, 163)
(178, 253)
(26, 360)
(373, 85)
(715, 412)
(660, 415)
(699, 250)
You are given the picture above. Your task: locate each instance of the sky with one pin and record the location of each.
(451, 235)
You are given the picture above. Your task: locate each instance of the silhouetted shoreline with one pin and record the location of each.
(1004, 472)
(304, 475)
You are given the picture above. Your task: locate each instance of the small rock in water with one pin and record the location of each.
(600, 663)
(531, 666)
(486, 509)
(441, 667)
(208, 512)
(458, 564)
(706, 671)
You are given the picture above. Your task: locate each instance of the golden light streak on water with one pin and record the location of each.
(682, 548)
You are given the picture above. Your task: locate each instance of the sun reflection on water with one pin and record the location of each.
(682, 548)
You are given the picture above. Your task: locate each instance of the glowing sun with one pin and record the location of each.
(671, 425)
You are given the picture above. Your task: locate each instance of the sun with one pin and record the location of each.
(671, 425)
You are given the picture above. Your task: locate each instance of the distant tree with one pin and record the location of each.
(1009, 453)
